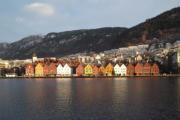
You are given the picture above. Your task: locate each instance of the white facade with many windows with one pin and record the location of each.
(117, 69)
(123, 70)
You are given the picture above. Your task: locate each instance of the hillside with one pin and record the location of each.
(165, 28)
(63, 43)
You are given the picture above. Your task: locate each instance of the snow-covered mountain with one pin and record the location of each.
(162, 29)
(63, 43)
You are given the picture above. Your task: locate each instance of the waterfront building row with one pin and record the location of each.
(53, 69)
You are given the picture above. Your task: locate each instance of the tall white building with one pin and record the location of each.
(178, 58)
(67, 70)
(123, 70)
(117, 69)
(60, 70)
(34, 57)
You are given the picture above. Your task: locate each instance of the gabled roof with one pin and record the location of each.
(59, 66)
(139, 64)
(117, 65)
(95, 66)
(123, 65)
(89, 65)
(147, 64)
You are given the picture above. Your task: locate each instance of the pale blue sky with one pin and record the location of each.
(21, 18)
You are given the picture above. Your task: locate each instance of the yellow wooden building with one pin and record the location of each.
(109, 69)
(102, 70)
(88, 70)
(39, 70)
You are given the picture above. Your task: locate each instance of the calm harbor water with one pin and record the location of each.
(90, 99)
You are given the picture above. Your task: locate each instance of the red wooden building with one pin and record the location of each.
(155, 69)
(80, 70)
(139, 69)
(52, 69)
(147, 69)
(130, 69)
(95, 70)
(30, 70)
(46, 69)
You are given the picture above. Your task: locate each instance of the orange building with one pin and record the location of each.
(29, 69)
(102, 70)
(130, 69)
(80, 70)
(147, 69)
(46, 69)
(155, 69)
(95, 70)
(109, 69)
(139, 69)
(52, 69)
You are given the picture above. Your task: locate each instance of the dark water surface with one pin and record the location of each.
(90, 99)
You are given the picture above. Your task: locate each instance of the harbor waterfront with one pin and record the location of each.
(117, 98)
(113, 76)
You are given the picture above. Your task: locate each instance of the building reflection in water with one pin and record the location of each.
(35, 93)
(41, 95)
(120, 94)
(91, 96)
(98, 98)
(178, 94)
(64, 96)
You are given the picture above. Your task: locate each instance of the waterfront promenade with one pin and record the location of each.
(160, 75)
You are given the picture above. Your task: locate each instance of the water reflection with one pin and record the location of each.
(84, 99)
(64, 96)
(120, 94)
(178, 94)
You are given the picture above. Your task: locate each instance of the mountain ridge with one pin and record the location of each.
(63, 43)
(163, 28)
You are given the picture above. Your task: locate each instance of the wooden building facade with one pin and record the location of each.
(139, 69)
(130, 69)
(29, 70)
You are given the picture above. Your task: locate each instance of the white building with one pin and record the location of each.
(86, 59)
(67, 70)
(34, 57)
(123, 70)
(60, 70)
(11, 75)
(178, 58)
(98, 57)
(4, 64)
(117, 69)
